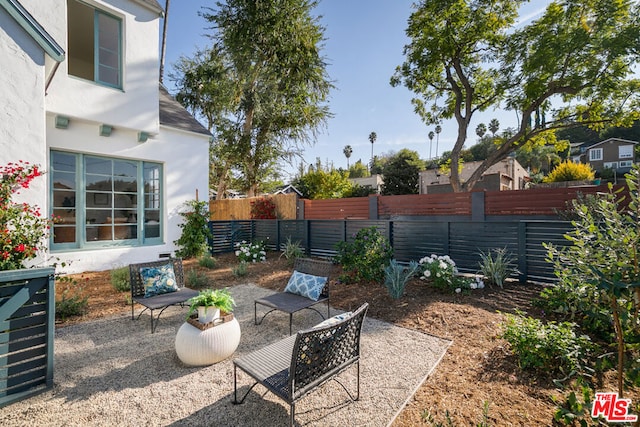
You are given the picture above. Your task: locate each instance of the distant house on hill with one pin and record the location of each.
(507, 174)
(373, 182)
(288, 189)
(615, 154)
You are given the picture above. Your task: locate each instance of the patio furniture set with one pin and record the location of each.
(289, 368)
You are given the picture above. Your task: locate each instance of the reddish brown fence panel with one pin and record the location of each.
(351, 208)
(425, 204)
(542, 201)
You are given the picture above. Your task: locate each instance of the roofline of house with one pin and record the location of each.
(158, 9)
(612, 139)
(34, 29)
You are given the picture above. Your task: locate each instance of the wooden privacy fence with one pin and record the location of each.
(475, 205)
(463, 241)
(286, 207)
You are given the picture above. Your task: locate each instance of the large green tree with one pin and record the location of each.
(323, 183)
(401, 173)
(262, 85)
(571, 66)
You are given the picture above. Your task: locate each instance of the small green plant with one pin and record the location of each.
(220, 298)
(396, 277)
(207, 261)
(497, 265)
(120, 279)
(552, 347)
(427, 417)
(240, 270)
(251, 252)
(292, 250)
(72, 302)
(195, 230)
(365, 257)
(575, 409)
(196, 279)
(442, 272)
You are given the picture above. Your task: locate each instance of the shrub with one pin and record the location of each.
(365, 257)
(120, 279)
(570, 171)
(441, 271)
(263, 208)
(396, 277)
(207, 261)
(497, 269)
(72, 302)
(292, 250)
(195, 230)
(240, 270)
(196, 279)
(551, 347)
(251, 252)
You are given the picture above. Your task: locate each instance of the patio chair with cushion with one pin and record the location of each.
(295, 366)
(157, 285)
(307, 286)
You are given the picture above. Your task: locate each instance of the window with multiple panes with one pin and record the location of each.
(102, 201)
(94, 44)
(595, 154)
(625, 151)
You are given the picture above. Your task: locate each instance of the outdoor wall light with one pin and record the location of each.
(62, 122)
(105, 130)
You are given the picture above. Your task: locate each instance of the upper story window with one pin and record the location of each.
(595, 154)
(625, 151)
(95, 44)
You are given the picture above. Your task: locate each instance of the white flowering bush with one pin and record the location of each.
(251, 252)
(441, 270)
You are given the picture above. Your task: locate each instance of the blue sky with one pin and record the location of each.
(363, 47)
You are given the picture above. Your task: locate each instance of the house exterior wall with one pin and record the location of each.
(610, 154)
(133, 107)
(29, 132)
(507, 174)
(22, 81)
(374, 181)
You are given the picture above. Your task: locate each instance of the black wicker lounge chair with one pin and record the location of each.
(295, 366)
(290, 303)
(162, 301)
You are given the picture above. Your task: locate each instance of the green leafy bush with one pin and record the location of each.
(196, 279)
(195, 230)
(396, 277)
(240, 270)
(207, 261)
(497, 265)
(365, 257)
(551, 347)
(120, 279)
(72, 302)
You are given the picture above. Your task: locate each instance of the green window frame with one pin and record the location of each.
(94, 45)
(100, 201)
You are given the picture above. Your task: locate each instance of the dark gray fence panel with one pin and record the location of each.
(293, 230)
(353, 226)
(323, 237)
(538, 232)
(413, 240)
(266, 230)
(227, 233)
(466, 240)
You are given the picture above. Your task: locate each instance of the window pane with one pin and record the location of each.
(99, 200)
(125, 185)
(63, 162)
(80, 19)
(98, 165)
(108, 49)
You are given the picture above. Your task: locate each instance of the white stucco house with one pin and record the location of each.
(81, 98)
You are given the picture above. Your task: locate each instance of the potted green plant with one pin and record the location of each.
(209, 303)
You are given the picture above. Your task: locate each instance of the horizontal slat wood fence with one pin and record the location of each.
(349, 208)
(424, 204)
(463, 241)
(286, 207)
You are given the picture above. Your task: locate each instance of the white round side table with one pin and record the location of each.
(196, 347)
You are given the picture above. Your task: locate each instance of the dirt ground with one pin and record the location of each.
(476, 370)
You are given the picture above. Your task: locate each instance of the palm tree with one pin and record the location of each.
(481, 130)
(372, 137)
(438, 130)
(431, 135)
(347, 153)
(494, 125)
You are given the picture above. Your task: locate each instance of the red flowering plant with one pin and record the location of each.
(22, 228)
(263, 208)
